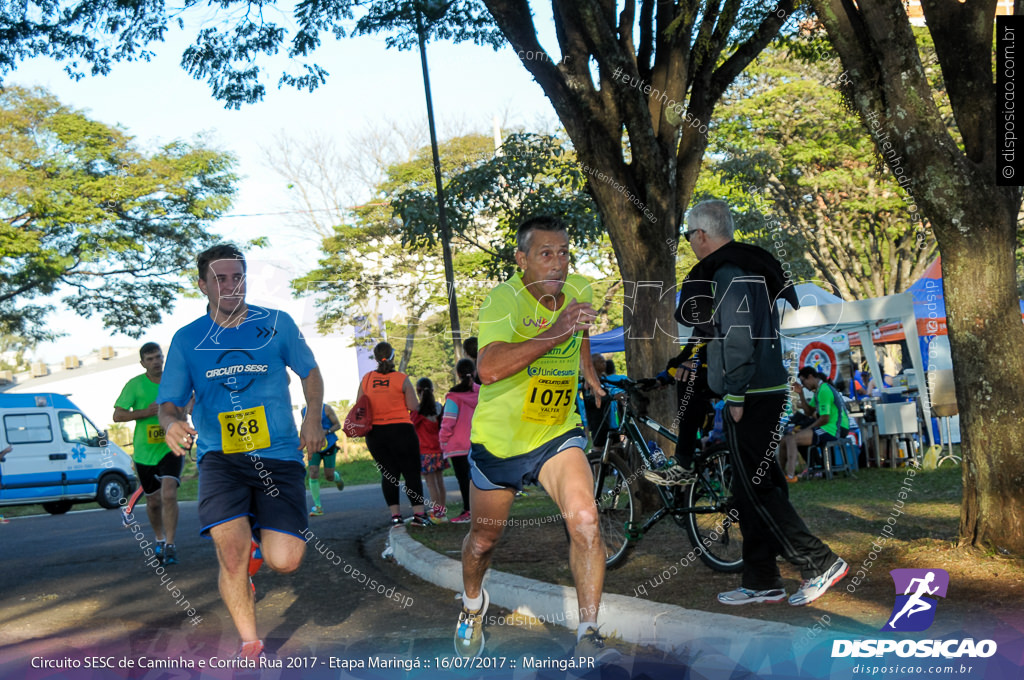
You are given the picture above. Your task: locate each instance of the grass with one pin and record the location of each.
(846, 513)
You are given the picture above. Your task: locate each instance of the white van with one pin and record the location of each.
(58, 456)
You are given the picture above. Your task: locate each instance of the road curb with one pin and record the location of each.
(682, 632)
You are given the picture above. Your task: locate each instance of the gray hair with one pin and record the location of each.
(524, 235)
(713, 217)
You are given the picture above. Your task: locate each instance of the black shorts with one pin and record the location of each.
(270, 492)
(820, 437)
(490, 472)
(151, 476)
(327, 457)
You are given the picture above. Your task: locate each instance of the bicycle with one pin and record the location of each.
(704, 508)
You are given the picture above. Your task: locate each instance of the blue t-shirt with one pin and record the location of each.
(239, 371)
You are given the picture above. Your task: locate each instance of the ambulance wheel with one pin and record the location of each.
(57, 507)
(112, 488)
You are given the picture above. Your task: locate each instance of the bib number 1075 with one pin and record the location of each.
(548, 400)
(549, 397)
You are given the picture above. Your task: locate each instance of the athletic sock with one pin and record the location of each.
(314, 486)
(130, 505)
(473, 604)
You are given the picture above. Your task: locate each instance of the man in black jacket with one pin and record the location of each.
(729, 299)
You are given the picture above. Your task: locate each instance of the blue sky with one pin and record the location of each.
(158, 102)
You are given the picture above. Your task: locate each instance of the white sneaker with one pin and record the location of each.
(813, 588)
(676, 475)
(748, 596)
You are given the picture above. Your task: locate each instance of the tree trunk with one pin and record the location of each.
(641, 167)
(985, 335)
(974, 222)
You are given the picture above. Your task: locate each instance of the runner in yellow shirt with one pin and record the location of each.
(533, 331)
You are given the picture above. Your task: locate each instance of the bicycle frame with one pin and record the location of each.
(629, 428)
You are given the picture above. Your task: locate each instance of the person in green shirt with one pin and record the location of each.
(526, 429)
(832, 423)
(158, 469)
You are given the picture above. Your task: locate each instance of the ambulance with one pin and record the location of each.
(58, 456)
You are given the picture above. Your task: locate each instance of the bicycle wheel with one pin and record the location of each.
(712, 529)
(615, 506)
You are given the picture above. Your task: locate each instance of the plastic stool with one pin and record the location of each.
(842, 447)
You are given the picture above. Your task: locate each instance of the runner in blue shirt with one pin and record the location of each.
(235, 360)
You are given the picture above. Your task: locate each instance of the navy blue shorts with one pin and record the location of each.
(490, 473)
(270, 492)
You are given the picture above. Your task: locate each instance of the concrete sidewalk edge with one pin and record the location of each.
(685, 633)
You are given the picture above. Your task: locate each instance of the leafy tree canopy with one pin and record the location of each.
(365, 262)
(531, 174)
(390, 250)
(91, 36)
(84, 210)
(807, 181)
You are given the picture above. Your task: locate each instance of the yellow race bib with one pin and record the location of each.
(154, 434)
(549, 399)
(244, 431)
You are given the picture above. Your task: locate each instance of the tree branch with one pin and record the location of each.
(962, 35)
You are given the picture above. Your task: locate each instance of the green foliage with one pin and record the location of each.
(233, 36)
(433, 355)
(84, 211)
(366, 267)
(805, 181)
(533, 174)
(379, 264)
(12, 353)
(438, 19)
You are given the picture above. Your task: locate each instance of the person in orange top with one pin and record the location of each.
(392, 441)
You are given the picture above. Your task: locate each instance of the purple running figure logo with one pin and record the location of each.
(914, 610)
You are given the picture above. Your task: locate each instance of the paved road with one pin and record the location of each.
(78, 584)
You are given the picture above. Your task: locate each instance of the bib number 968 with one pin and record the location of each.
(243, 428)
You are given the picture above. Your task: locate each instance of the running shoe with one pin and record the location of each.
(464, 518)
(592, 646)
(317, 511)
(792, 480)
(170, 554)
(748, 596)
(339, 482)
(125, 522)
(813, 588)
(396, 520)
(420, 520)
(438, 517)
(251, 651)
(159, 550)
(675, 475)
(469, 633)
(255, 558)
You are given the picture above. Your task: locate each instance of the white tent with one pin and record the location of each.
(809, 294)
(863, 317)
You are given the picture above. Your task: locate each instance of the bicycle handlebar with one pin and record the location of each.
(637, 386)
(631, 391)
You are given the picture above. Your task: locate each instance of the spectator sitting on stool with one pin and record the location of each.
(831, 424)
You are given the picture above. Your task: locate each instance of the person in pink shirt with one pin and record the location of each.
(455, 426)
